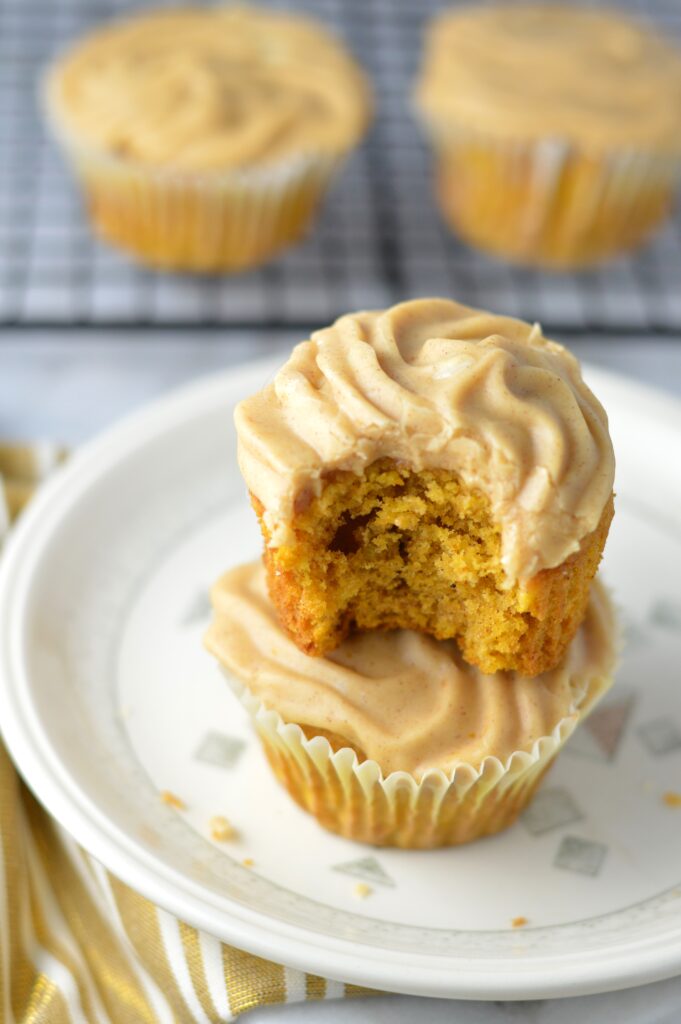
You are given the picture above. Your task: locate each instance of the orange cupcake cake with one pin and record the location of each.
(393, 739)
(435, 468)
(205, 137)
(556, 129)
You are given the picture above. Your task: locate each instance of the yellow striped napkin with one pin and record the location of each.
(76, 945)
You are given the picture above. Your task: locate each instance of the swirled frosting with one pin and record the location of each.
(555, 72)
(406, 701)
(434, 384)
(210, 89)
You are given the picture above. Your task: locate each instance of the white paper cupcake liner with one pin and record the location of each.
(202, 221)
(355, 799)
(577, 207)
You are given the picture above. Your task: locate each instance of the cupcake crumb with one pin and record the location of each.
(519, 922)
(221, 830)
(671, 798)
(172, 800)
(248, 862)
(362, 890)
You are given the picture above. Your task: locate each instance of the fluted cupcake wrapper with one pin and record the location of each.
(355, 799)
(548, 201)
(199, 221)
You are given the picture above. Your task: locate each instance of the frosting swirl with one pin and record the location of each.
(435, 384)
(210, 89)
(402, 699)
(557, 72)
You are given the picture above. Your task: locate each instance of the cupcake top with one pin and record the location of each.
(556, 72)
(434, 384)
(403, 699)
(210, 89)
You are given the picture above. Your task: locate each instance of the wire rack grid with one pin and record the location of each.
(379, 237)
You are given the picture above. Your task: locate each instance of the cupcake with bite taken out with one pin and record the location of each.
(435, 468)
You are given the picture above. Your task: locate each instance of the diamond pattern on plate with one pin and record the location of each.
(634, 634)
(600, 735)
(551, 808)
(368, 869)
(666, 614)
(661, 736)
(219, 749)
(198, 611)
(583, 856)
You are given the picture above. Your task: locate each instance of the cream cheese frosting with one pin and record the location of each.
(403, 699)
(434, 384)
(548, 71)
(210, 89)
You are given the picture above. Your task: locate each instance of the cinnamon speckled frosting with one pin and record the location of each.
(434, 384)
(555, 72)
(402, 699)
(211, 88)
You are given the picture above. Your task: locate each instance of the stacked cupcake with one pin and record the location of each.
(434, 486)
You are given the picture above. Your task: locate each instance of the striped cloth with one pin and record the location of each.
(76, 945)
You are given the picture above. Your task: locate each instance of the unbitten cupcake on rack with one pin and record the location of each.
(205, 138)
(436, 468)
(556, 129)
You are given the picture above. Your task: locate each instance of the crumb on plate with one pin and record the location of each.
(221, 829)
(362, 890)
(519, 922)
(248, 862)
(172, 800)
(672, 799)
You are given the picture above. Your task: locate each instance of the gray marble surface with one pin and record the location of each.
(71, 385)
(68, 386)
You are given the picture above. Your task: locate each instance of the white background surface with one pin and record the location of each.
(68, 386)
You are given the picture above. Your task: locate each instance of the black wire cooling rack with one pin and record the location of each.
(378, 239)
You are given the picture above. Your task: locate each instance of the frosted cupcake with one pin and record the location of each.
(556, 130)
(436, 468)
(393, 739)
(205, 138)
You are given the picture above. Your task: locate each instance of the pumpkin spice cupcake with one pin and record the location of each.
(436, 468)
(556, 130)
(393, 739)
(204, 138)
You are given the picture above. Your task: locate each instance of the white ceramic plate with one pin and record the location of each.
(108, 699)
